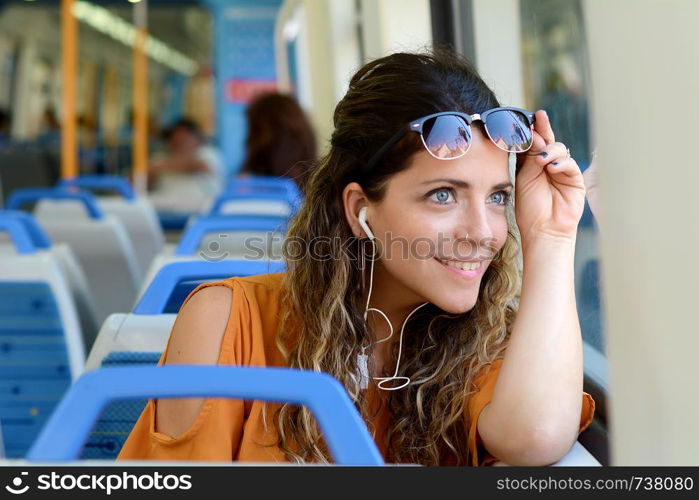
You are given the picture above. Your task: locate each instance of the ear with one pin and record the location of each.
(353, 199)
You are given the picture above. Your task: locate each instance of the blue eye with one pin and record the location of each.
(441, 196)
(500, 198)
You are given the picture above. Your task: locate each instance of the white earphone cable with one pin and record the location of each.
(363, 357)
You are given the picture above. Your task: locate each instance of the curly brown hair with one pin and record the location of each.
(322, 327)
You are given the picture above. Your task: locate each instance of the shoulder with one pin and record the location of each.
(213, 312)
(220, 296)
(270, 281)
(216, 299)
(198, 330)
(261, 289)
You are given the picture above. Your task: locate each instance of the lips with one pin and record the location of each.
(465, 269)
(461, 264)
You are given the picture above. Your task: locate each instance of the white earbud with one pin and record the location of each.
(363, 224)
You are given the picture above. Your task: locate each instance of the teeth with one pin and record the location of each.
(464, 266)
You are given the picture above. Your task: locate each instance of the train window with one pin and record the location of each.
(557, 79)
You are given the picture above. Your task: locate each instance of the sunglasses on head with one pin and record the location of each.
(447, 135)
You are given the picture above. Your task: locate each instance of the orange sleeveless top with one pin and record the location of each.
(233, 430)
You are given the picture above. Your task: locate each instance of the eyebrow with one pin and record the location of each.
(466, 185)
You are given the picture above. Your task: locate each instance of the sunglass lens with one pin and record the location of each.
(446, 136)
(509, 130)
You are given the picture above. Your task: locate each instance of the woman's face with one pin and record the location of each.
(440, 224)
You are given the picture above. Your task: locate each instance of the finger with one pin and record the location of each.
(568, 167)
(542, 125)
(549, 153)
(552, 152)
(538, 145)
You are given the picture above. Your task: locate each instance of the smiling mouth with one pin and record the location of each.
(462, 265)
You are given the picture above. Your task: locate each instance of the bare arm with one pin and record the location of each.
(195, 339)
(534, 415)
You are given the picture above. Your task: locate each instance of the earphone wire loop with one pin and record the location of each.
(383, 380)
(400, 351)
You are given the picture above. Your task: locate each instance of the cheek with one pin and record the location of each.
(499, 230)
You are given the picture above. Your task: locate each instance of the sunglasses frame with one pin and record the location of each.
(416, 126)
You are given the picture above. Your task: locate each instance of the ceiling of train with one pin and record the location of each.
(104, 2)
(185, 25)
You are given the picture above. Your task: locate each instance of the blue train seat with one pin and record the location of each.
(100, 243)
(136, 213)
(234, 202)
(344, 430)
(41, 347)
(219, 238)
(68, 264)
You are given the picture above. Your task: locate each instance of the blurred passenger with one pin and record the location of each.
(189, 174)
(409, 290)
(280, 140)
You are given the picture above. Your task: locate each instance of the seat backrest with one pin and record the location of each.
(275, 208)
(253, 237)
(82, 296)
(176, 280)
(68, 265)
(42, 268)
(22, 197)
(34, 361)
(136, 214)
(35, 232)
(344, 430)
(41, 347)
(106, 255)
(130, 333)
(117, 184)
(283, 186)
(233, 202)
(118, 418)
(100, 243)
(141, 223)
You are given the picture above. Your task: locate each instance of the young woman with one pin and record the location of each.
(408, 289)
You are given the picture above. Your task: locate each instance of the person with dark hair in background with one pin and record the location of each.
(189, 175)
(280, 140)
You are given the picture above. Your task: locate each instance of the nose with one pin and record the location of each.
(474, 234)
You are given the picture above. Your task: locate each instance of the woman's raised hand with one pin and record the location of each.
(550, 192)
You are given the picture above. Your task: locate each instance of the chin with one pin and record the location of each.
(456, 307)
